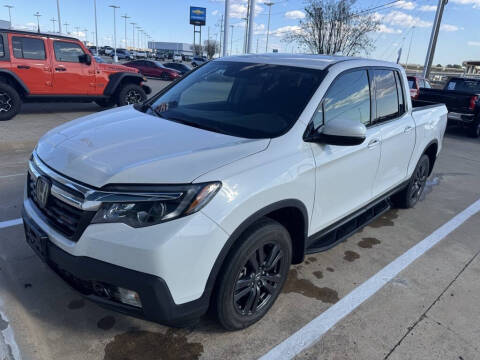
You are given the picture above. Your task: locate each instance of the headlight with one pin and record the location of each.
(139, 209)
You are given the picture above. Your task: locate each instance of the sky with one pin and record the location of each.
(402, 23)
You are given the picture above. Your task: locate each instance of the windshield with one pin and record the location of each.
(239, 99)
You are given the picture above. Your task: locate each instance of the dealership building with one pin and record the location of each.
(171, 47)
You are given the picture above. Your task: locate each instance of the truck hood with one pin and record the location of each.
(124, 145)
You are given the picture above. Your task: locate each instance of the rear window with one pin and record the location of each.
(241, 99)
(386, 95)
(467, 85)
(411, 83)
(28, 48)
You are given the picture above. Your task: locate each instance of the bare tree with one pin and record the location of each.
(197, 49)
(211, 47)
(333, 27)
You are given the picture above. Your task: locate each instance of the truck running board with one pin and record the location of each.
(340, 231)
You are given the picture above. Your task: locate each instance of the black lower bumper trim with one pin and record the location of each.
(85, 273)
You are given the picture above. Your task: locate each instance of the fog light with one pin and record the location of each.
(127, 297)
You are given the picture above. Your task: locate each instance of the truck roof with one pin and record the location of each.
(303, 60)
(50, 35)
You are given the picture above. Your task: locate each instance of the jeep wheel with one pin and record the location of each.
(254, 274)
(105, 103)
(131, 94)
(409, 196)
(10, 102)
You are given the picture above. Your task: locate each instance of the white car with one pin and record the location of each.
(206, 194)
(177, 57)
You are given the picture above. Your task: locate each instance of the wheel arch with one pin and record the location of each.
(291, 213)
(116, 80)
(13, 80)
(431, 151)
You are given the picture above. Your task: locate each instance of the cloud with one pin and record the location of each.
(215, 12)
(401, 19)
(474, 3)
(473, 43)
(238, 9)
(387, 30)
(284, 30)
(427, 8)
(450, 28)
(406, 5)
(295, 14)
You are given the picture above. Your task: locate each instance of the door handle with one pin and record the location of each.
(60, 69)
(23, 66)
(373, 143)
(408, 129)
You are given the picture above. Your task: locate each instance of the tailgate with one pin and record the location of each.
(456, 101)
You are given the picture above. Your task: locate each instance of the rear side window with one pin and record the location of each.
(348, 98)
(2, 48)
(67, 51)
(28, 48)
(385, 95)
(401, 96)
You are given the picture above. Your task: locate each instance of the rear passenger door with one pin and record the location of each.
(30, 62)
(70, 76)
(345, 174)
(397, 129)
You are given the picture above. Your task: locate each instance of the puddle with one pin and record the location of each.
(368, 242)
(330, 269)
(308, 289)
(385, 220)
(312, 259)
(351, 256)
(145, 345)
(106, 323)
(76, 304)
(429, 185)
(318, 274)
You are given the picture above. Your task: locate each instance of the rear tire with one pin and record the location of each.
(253, 275)
(409, 196)
(10, 102)
(131, 94)
(474, 131)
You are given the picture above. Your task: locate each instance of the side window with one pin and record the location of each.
(401, 97)
(67, 51)
(348, 98)
(28, 48)
(385, 95)
(2, 48)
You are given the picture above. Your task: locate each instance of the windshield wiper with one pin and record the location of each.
(196, 125)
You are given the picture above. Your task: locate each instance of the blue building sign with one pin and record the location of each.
(198, 15)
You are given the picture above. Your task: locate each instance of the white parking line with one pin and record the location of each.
(13, 175)
(8, 223)
(315, 329)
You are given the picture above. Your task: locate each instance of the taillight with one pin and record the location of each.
(473, 102)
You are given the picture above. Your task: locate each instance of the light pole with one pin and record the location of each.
(59, 20)
(133, 34)
(231, 40)
(269, 4)
(433, 38)
(114, 7)
(125, 17)
(37, 14)
(77, 30)
(138, 36)
(86, 35)
(9, 14)
(96, 30)
(53, 20)
(66, 27)
(225, 27)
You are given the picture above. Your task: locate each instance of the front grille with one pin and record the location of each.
(66, 219)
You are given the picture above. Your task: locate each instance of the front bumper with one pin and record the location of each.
(90, 277)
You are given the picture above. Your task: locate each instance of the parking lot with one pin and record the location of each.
(428, 311)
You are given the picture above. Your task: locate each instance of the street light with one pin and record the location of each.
(37, 14)
(133, 34)
(125, 17)
(53, 20)
(231, 40)
(114, 7)
(59, 20)
(66, 27)
(96, 30)
(138, 36)
(9, 14)
(86, 35)
(269, 4)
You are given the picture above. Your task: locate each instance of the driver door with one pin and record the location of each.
(345, 175)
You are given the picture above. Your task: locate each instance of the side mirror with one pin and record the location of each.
(85, 59)
(339, 132)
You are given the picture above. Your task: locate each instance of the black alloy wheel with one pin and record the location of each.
(253, 274)
(6, 102)
(418, 181)
(10, 102)
(259, 279)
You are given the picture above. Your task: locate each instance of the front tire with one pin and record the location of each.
(10, 102)
(253, 275)
(131, 94)
(409, 196)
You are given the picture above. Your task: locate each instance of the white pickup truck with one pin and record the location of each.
(203, 196)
